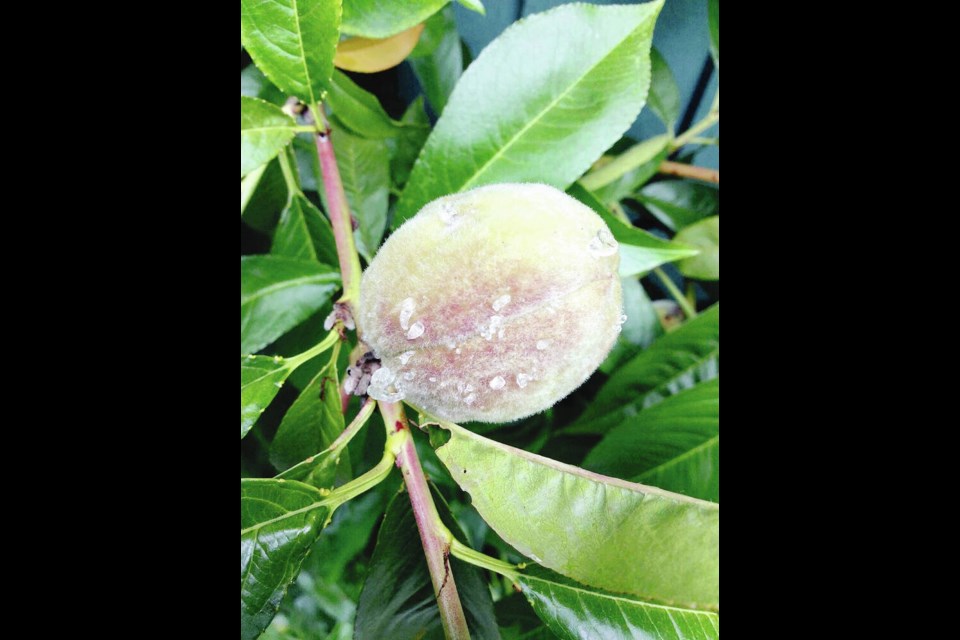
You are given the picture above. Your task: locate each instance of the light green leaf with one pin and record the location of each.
(664, 98)
(679, 203)
(540, 104)
(365, 173)
(630, 170)
(407, 145)
(359, 110)
(600, 531)
(260, 379)
(263, 194)
(279, 522)
(304, 233)
(277, 294)
(674, 445)
(713, 18)
(256, 85)
(397, 600)
(575, 612)
(639, 251)
(383, 18)
(264, 131)
(474, 5)
(293, 42)
(437, 60)
(676, 361)
(705, 235)
(310, 426)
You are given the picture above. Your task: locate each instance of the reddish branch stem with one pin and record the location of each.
(689, 171)
(436, 547)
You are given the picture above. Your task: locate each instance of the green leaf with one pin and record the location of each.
(383, 18)
(540, 104)
(279, 522)
(311, 425)
(674, 445)
(256, 85)
(629, 171)
(677, 361)
(639, 251)
(575, 612)
(264, 131)
(437, 60)
(704, 235)
(474, 5)
(260, 379)
(293, 42)
(397, 600)
(277, 294)
(518, 621)
(359, 110)
(678, 203)
(350, 531)
(713, 19)
(664, 98)
(365, 173)
(407, 145)
(304, 233)
(600, 531)
(640, 329)
(263, 194)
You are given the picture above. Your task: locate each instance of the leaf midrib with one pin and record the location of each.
(677, 459)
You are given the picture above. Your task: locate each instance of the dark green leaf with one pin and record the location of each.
(518, 621)
(641, 328)
(575, 612)
(263, 194)
(279, 521)
(383, 18)
(674, 445)
(407, 145)
(293, 42)
(540, 104)
(256, 85)
(600, 531)
(277, 294)
(664, 98)
(359, 110)
(310, 426)
(304, 233)
(705, 235)
(260, 379)
(678, 203)
(397, 601)
(365, 173)
(713, 17)
(675, 362)
(264, 131)
(437, 59)
(349, 532)
(639, 251)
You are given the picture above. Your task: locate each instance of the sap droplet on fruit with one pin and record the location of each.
(522, 380)
(623, 318)
(470, 399)
(405, 356)
(416, 330)
(493, 327)
(603, 244)
(410, 375)
(542, 345)
(498, 383)
(501, 302)
(406, 310)
(385, 386)
(448, 213)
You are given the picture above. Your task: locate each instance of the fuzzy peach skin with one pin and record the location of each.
(492, 304)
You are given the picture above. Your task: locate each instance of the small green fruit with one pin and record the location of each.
(492, 304)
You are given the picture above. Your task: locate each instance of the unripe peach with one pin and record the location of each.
(492, 304)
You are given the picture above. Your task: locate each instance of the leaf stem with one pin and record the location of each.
(676, 294)
(361, 484)
(637, 155)
(366, 410)
(436, 539)
(482, 560)
(340, 218)
(295, 361)
(712, 117)
(671, 168)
